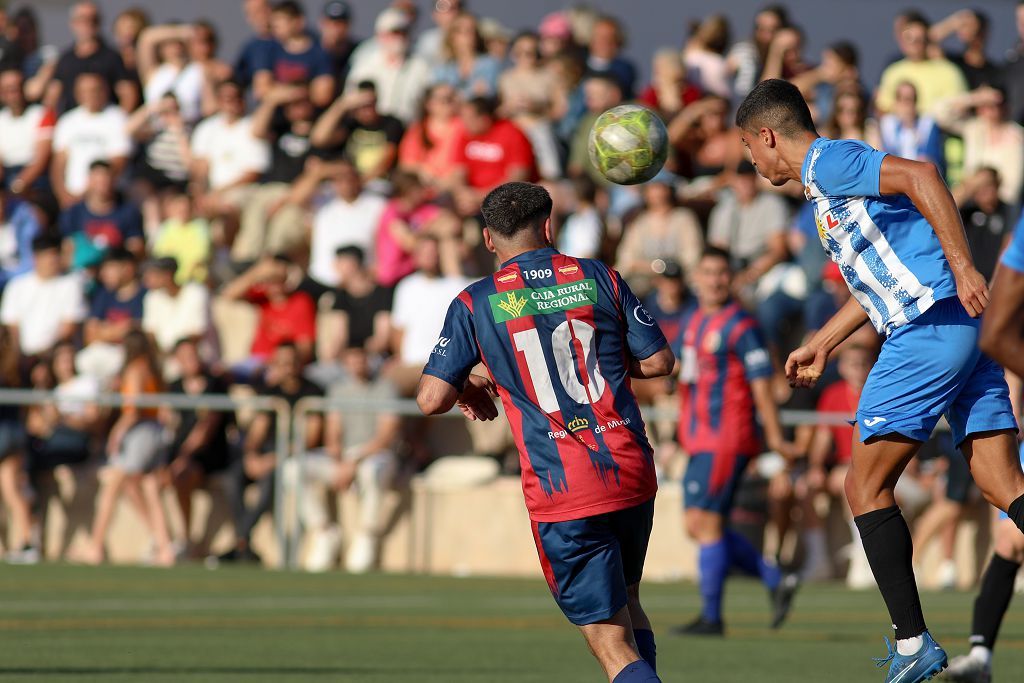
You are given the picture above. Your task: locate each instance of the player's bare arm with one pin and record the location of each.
(805, 365)
(659, 364)
(768, 411)
(434, 396)
(922, 183)
(1002, 332)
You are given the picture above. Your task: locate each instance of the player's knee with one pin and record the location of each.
(1009, 542)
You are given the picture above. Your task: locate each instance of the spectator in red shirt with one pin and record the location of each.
(489, 151)
(286, 315)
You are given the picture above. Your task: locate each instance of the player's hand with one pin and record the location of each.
(816, 479)
(477, 399)
(805, 366)
(973, 291)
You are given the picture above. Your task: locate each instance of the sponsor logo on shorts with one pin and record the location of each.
(873, 421)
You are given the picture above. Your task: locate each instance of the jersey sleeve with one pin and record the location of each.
(1013, 257)
(456, 351)
(753, 353)
(643, 335)
(849, 168)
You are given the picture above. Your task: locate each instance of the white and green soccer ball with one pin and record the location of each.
(628, 144)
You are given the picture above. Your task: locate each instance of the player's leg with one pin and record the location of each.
(633, 529)
(611, 643)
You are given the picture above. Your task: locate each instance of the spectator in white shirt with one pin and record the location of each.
(94, 131)
(172, 312)
(227, 159)
(400, 78)
(27, 134)
(349, 219)
(43, 306)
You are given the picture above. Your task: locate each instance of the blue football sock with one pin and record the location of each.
(714, 566)
(744, 556)
(637, 672)
(645, 644)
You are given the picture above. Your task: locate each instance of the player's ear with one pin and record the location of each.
(768, 137)
(488, 242)
(547, 231)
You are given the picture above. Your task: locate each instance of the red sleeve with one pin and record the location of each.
(304, 317)
(47, 122)
(649, 98)
(459, 159)
(256, 296)
(831, 399)
(410, 149)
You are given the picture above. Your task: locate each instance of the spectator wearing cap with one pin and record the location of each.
(400, 77)
(366, 136)
(430, 44)
(604, 55)
(750, 222)
(662, 232)
(555, 33)
(19, 225)
(116, 310)
(296, 57)
(94, 131)
(227, 159)
(89, 54)
(101, 221)
(43, 306)
(172, 312)
(27, 132)
(465, 63)
(336, 38)
(935, 79)
(183, 236)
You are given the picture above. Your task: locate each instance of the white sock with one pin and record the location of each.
(982, 654)
(909, 646)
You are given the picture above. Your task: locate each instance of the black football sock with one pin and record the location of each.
(993, 600)
(1016, 512)
(889, 548)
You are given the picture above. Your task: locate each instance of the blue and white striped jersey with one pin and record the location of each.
(1013, 257)
(888, 253)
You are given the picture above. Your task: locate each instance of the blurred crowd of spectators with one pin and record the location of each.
(333, 182)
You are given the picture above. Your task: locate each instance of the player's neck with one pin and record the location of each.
(508, 252)
(794, 152)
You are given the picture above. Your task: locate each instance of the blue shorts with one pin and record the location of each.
(932, 367)
(589, 562)
(1003, 515)
(711, 481)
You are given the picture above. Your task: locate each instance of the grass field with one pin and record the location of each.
(115, 624)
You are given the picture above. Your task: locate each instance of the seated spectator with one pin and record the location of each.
(837, 71)
(849, 118)
(336, 38)
(257, 49)
(421, 301)
(669, 91)
(428, 146)
(349, 218)
(227, 160)
(785, 57)
(971, 28)
(89, 54)
(101, 221)
(93, 131)
(987, 220)
(43, 306)
(662, 232)
(12, 458)
(600, 94)
(163, 134)
(527, 96)
(490, 151)
(430, 43)
(360, 450)
(271, 223)
(400, 78)
(568, 102)
(116, 310)
(751, 223)
(172, 312)
(465, 63)
(746, 57)
(199, 445)
(935, 79)
(906, 134)
(605, 55)
(285, 314)
(296, 58)
(360, 314)
(407, 215)
(556, 38)
(27, 132)
(183, 236)
(19, 226)
(257, 465)
(704, 56)
(127, 27)
(583, 232)
(706, 145)
(367, 137)
(134, 448)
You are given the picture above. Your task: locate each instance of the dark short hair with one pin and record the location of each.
(846, 52)
(45, 242)
(513, 207)
(367, 85)
(483, 106)
(289, 7)
(712, 251)
(775, 104)
(229, 83)
(119, 255)
(352, 251)
(100, 163)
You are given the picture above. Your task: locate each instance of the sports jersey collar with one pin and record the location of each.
(530, 255)
(807, 159)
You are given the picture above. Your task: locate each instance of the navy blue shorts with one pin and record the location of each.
(589, 562)
(711, 481)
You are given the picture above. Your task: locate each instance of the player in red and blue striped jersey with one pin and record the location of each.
(561, 338)
(724, 378)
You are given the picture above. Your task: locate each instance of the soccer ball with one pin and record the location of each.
(628, 144)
